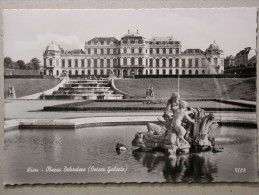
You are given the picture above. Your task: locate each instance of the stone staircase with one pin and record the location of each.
(85, 90)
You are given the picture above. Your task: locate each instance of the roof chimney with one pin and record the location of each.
(128, 31)
(137, 31)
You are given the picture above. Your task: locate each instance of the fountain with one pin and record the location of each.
(86, 89)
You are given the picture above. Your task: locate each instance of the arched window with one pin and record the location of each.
(146, 72)
(89, 51)
(57, 72)
(125, 73)
(108, 63)
(132, 50)
(203, 71)
(157, 62)
(76, 72)
(70, 72)
(170, 62)
(215, 61)
(139, 71)
(176, 62)
(164, 51)
(190, 71)
(101, 63)
(124, 61)
(196, 72)
(132, 61)
(164, 62)
(183, 72)
(125, 50)
(151, 71)
(50, 62)
(151, 62)
(95, 72)
(170, 71)
(95, 51)
(140, 50)
(89, 72)
(101, 71)
(102, 51)
(95, 62)
(157, 50)
(140, 61)
(108, 51)
(157, 71)
(83, 72)
(177, 71)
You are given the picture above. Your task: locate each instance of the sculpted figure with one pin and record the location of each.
(179, 113)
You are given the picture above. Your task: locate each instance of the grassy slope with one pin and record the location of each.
(8, 71)
(227, 88)
(25, 87)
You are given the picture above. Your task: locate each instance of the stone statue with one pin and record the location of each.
(11, 92)
(179, 132)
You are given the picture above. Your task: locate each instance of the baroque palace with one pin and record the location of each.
(133, 55)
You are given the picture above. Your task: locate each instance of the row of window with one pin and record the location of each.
(133, 61)
(134, 41)
(134, 50)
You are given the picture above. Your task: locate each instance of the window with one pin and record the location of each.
(157, 62)
(89, 72)
(125, 50)
(183, 72)
(140, 50)
(164, 51)
(88, 62)
(157, 71)
(125, 61)
(44, 62)
(132, 61)
(76, 72)
(101, 71)
(95, 72)
(50, 62)
(157, 50)
(108, 63)
(102, 52)
(203, 71)
(170, 62)
(215, 61)
(69, 72)
(183, 62)
(140, 61)
(82, 62)
(132, 50)
(69, 63)
(170, 50)
(95, 51)
(196, 62)
(83, 72)
(176, 62)
(151, 51)
(196, 72)
(151, 62)
(89, 51)
(151, 71)
(164, 71)
(76, 62)
(114, 62)
(57, 72)
(190, 62)
(108, 51)
(114, 51)
(190, 71)
(63, 63)
(177, 51)
(170, 71)
(101, 63)
(177, 71)
(164, 62)
(95, 62)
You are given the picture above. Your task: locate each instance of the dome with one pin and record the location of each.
(53, 47)
(213, 46)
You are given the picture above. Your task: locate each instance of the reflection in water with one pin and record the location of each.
(180, 168)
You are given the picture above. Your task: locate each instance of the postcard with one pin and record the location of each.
(130, 95)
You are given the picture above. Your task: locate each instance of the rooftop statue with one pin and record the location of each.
(178, 132)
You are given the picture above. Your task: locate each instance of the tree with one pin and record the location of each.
(8, 62)
(21, 64)
(35, 63)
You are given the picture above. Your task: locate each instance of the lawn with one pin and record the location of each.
(227, 88)
(25, 87)
(8, 71)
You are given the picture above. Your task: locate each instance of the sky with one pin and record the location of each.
(28, 32)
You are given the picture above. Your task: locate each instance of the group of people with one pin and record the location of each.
(178, 108)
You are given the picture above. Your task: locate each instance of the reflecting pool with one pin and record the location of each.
(37, 156)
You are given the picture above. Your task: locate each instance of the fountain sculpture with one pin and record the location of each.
(175, 135)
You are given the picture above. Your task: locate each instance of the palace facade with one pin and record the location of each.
(133, 55)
